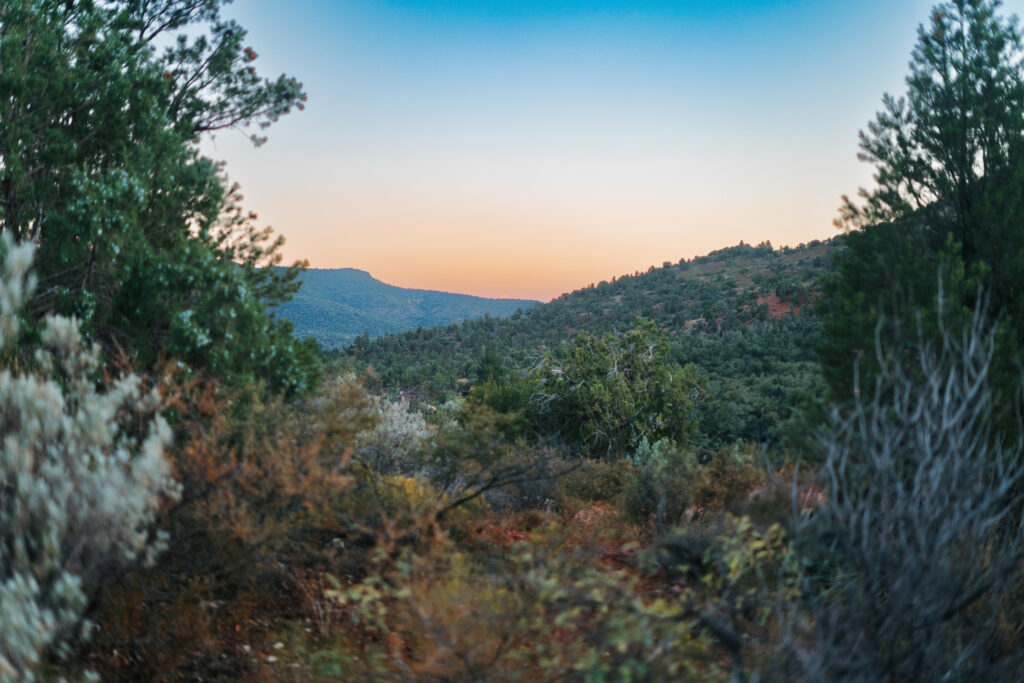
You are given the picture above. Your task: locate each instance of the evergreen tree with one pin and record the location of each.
(946, 212)
(137, 234)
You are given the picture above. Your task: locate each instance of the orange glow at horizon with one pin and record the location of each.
(539, 228)
(537, 253)
(533, 156)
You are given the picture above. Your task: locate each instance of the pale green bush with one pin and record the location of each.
(395, 445)
(82, 477)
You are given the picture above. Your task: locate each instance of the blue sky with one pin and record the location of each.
(530, 148)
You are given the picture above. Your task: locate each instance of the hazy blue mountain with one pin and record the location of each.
(335, 306)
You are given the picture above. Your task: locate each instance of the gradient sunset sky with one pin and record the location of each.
(526, 149)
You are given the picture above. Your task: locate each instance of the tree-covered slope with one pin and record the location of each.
(336, 305)
(728, 291)
(742, 315)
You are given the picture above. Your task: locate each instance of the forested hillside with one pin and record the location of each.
(334, 306)
(742, 315)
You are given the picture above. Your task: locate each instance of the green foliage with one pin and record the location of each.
(757, 356)
(220, 323)
(658, 481)
(605, 395)
(138, 234)
(946, 212)
(509, 397)
(758, 378)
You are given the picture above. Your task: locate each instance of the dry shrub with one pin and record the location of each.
(264, 483)
(915, 553)
(257, 465)
(725, 483)
(446, 611)
(534, 596)
(590, 481)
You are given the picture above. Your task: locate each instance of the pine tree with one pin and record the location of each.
(945, 215)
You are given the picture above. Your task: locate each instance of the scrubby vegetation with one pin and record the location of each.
(642, 480)
(742, 316)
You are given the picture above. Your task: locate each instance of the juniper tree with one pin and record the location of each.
(605, 395)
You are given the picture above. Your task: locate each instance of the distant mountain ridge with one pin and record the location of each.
(336, 305)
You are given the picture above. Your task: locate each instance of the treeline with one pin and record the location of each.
(728, 290)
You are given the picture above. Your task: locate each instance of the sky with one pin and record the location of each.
(526, 149)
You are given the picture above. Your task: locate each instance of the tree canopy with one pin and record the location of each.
(138, 234)
(945, 215)
(607, 394)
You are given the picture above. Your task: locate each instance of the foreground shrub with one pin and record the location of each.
(916, 556)
(267, 501)
(552, 605)
(82, 477)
